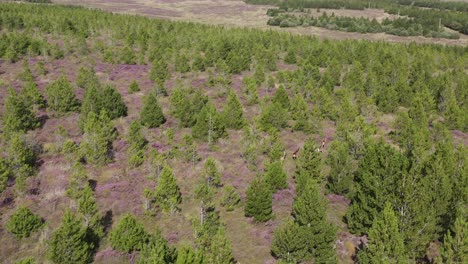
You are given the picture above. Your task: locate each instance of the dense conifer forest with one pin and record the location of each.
(128, 139)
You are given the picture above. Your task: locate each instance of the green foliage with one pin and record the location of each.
(273, 116)
(221, 249)
(167, 193)
(5, 174)
(187, 255)
(137, 148)
(87, 78)
(281, 97)
(290, 243)
(29, 260)
(231, 198)
(68, 243)
(21, 156)
(379, 172)
(342, 167)
(157, 250)
(128, 235)
(455, 247)
(112, 102)
(290, 57)
(31, 95)
(209, 126)
(134, 87)
(275, 176)
(385, 240)
(61, 96)
(258, 203)
(151, 114)
(99, 133)
(23, 222)
(159, 72)
(233, 112)
(308, 165)
(186, 103)
(18, 115)
(211, 173)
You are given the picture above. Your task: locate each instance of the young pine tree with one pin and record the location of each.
(157, 250)
(188, 255)
(152, 115)
(308, 165)
(455, 247)
(221, 249)
(137, 148)
(61, 96)
(18, 115)
(167, 193)
(233, 113)
(212, 175)
(134, 87)
(259, 201)
(99, 133)
(385, 240)
(342, 168)
(69, 244)
(209, 126)
(281, 97)
(128, 235)
(112, 102)
(231, 198)
(290, 243)
(273, 116)
(275, 176)
(32, 96)
(23, 222)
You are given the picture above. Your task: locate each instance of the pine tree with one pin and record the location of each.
(273, 116)
(152, 115)
(221, 249)
(342, 167)
(21, 156)
(87, 205)
(385, 240)
(136, 150)
(309, 211)
(5, 173)
(92, 102)
(376, 180)
(212, 175)
(112, 102)
(275, 176)
(78, 180)
(69, 244)
(31, 95)
(133, 88)
(455, 247)
(231, 198)
(98, 135)
(233, 113)
(18, 115)
(61, 96)
(259, 201)
(290, 57)
(308, 165)
(159, 72)
(281, 97)
(290, 243)
(209, 126)
(29, 260)
(167, 192)
(259, 75)
(87, 78)
(128, 235)
(23, 222)
(156, 251)
(187, 255)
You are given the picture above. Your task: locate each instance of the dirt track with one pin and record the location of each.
(238, 14)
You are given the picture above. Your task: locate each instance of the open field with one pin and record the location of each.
(239, 14)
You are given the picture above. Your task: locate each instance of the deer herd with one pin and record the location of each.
(296, 153)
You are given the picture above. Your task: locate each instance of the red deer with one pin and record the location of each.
(294, 155)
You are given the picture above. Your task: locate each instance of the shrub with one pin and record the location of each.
(129, 235)
(23, 222)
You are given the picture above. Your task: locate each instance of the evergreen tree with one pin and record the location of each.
(32, 96)
(69, 244)
(78, 180)
(187, 255)
(156, 251)
(159, 72)
(167, 192)
(276, 176)
(92, 102)
(61, 96)
(221, 249)
(212, 175)
(18, 115)
(23, 222)
(281, 97)
(152, 115)
(376, 180)
(233, 113)
(309, 211)
(231, 198)
(128, 235)
(290, 243)
(209, 126)
(342, 167)
(455, 247)
(308, 165)
(98, 135)
(134, 87)
(273, 116)
(29, 260)
(290, 57)
(87, 78)
(385, 240)
(136, 150)
(259, 201)
(21, 156)
(112, 102)
(5, 173)
(259, 75)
